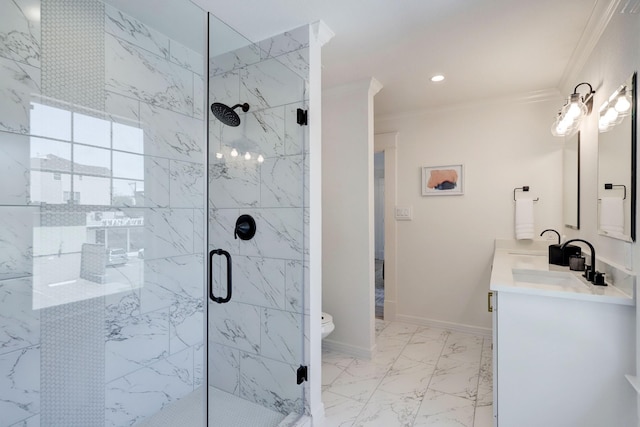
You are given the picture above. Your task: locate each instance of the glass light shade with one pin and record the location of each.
(218, 155)
(623, 104)
(611, 115)
(260, 158)
(575, 108)
(247, 156)
(564, 126)
(603, 124)
(234, 153)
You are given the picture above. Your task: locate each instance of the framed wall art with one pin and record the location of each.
(443, 180)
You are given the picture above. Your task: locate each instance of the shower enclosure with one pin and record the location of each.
(257, 175)
(119, 204)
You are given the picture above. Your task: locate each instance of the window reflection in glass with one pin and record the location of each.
(91, 161)
(128, 138)
(92, 190)
(127, 165)
(48, 149)
(91, 130)
(50, 122)
(128, 192)
(84, 244)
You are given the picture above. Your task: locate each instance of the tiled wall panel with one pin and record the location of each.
(150, 332)
(258, 338)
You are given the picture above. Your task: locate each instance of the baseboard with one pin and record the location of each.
(348, 349)
(477, 330)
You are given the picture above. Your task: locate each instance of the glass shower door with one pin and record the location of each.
(257, 227)
(102, 206)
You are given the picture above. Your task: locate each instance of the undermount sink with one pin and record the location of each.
(553, 279)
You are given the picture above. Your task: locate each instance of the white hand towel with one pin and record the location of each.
(524, 219)
(612, 215)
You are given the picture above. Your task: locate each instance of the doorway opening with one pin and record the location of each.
(379, 232)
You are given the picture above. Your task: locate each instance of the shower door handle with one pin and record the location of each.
(224, 253)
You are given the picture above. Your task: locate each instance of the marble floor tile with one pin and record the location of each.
(387, 409)
(443, 410)
(407, 378)
(336, 358)
(460, 346)
(485, 383)
(380, 325)
(397, 329)
(458, 378)
(340, 411)
(388, 350)
(329, 373)
(419, 376)
(426, 333)
(359, 380)
(483, 416)
(425, 352)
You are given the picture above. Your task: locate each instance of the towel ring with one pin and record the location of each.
(610, 187)
(524, 188)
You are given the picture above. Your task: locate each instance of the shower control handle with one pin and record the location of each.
(226, 254)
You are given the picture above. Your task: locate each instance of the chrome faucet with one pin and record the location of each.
(590, 273)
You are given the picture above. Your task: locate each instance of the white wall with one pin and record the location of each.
(615, 57)
(347, 215)
(444, 253)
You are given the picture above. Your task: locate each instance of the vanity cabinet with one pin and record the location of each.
(561, 362)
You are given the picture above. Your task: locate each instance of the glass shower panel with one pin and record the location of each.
(257, 168)
(102, 245)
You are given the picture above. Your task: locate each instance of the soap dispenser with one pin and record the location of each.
(555, 251)
(558, 255)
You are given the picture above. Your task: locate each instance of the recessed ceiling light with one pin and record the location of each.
(437, 78)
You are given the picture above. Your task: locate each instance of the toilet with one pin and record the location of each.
(327, 324)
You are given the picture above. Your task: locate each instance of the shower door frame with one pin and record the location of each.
(303, 344)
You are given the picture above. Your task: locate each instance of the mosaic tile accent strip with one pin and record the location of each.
(72, 347)
(73, 56)
(72, 364)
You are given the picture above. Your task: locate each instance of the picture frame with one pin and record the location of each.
(446, 180)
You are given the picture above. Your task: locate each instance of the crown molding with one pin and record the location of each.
(523, 98)
(600, 17)
(321, 32)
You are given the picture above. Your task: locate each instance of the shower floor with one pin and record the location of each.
(225, 410)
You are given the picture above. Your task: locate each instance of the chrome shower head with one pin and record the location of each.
(226, 114)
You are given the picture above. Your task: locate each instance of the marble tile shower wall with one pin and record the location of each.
(152, 333)
(257, 340)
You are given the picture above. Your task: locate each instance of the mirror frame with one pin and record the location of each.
(575, 226)
(634, 152)
(631, 237)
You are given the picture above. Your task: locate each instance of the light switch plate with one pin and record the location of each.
(404, 213)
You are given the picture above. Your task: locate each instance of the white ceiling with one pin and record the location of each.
(485, 48)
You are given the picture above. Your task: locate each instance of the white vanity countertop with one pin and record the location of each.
(533, 258)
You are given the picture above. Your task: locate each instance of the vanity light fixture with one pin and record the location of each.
(612, 112)
(623, 103)
(577, 106)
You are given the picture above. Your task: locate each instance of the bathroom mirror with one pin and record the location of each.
(571, 182)
(617, 163)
